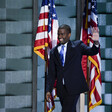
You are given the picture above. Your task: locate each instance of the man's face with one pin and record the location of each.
(63, 36)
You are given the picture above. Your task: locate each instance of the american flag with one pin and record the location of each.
(46, 36)
(90, 19)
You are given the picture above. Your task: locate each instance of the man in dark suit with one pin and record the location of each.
(65, 66)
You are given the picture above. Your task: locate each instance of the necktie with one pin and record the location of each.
(62, 55)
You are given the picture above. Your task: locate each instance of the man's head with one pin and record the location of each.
(64, 33)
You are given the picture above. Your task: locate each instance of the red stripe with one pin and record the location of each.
(93, 24)
(90, 104)
(89, 12)
(93, 80)
(43, 15)
(84, 58)
(96, 94)
(41, 29)
(84, 35)
(50, 42)
(96, 59)
(49, 38)
(96, 73)
(40, 42)
(47, 108)
(42, 51)
(100, 79)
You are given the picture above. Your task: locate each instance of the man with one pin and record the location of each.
(65, 66)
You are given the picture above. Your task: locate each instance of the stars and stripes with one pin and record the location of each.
(90, 19)
(46, 36)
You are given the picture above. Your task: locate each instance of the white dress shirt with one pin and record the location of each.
(65, 49)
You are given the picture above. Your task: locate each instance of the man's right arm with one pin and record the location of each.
(50, 77)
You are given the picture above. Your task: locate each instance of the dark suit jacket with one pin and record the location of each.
(72, 71)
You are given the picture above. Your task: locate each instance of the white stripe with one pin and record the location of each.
(89, 31)
(50, 34)
(48, 52)
(53, 93)
(98, 87)
(99, 60)
(44, 9)
(94, 17)
(49, 105)
(81, 33)
(55, 31)
(90, 44)
(89, 5)
(42, 21)
(92, 73)
(41, 35)
(93, 100)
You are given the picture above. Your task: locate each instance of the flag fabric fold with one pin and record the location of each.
(90, 20)
(46, 36)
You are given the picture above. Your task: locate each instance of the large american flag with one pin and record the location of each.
(46, 36)
(90, 19)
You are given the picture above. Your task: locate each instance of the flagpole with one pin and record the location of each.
(46, 63)
(45, 107)
(88, 74)
(80, 8)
